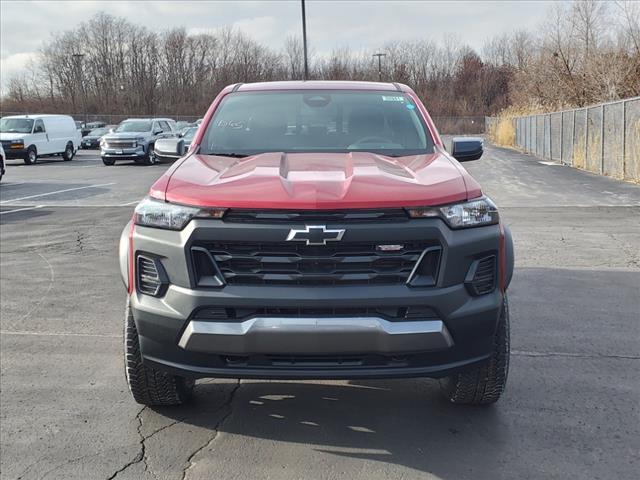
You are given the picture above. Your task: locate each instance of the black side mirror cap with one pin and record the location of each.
(180, 147)
(465, 149)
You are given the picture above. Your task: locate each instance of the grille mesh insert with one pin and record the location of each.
(297, 264)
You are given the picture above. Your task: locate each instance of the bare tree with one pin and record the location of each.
(586, 52)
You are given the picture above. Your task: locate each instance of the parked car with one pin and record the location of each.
(32, 136)
(92, 140)
(317, 230)
(2, 162)
(169, 149)
(90, 126)
(182, 125)
(134, 139)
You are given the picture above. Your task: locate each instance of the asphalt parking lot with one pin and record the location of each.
(571, 408)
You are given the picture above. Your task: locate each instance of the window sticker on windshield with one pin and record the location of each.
(230, 124)
(410, 106)
(392, 99)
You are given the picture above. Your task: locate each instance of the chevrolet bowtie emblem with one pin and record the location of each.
(315, 235)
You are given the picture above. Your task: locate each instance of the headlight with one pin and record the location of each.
(474, 213)
(140, 142)
(103, 142)
(158, 214)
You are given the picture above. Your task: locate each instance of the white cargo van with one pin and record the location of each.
(32, 136)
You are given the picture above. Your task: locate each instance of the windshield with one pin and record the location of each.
(16, 125)
(189, 133)
(317, 121)
(134, 126)
(98, 132)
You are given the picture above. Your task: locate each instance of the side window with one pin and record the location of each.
(156, 127)
(165, 126)
(38, 127)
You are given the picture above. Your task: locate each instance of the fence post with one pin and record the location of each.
(586, 138)
(573, 136)
(550, 139)
(602, 140)
(561, 136)
(624, 139)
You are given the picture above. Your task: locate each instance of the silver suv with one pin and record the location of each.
(134, 139)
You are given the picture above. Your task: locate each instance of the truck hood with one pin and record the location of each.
(127, 135)
(314, 181)
(13, 136)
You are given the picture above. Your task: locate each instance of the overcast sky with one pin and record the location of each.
(25, 25)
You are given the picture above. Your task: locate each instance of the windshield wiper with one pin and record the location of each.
(229, 154)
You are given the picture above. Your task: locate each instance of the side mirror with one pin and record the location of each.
(465, 149)
(180, 147)
(157, 132)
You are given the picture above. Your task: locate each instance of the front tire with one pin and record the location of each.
(148, 386)
(484, 384)
(68, 153)
(32, 156)
(108, 161)
(151, 155)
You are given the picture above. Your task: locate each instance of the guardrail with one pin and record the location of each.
(602, 139)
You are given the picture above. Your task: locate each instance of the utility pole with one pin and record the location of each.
(77, 57)
(379, 55)
(304, 41)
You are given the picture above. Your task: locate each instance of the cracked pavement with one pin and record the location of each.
(570, 409)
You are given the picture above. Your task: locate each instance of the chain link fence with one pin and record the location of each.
(602, 139)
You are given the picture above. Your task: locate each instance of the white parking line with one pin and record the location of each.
(58, 334)
(57, 191)
(20, 209)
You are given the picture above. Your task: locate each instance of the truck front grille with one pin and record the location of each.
(295, 264)
(120, 143)
(391, 313)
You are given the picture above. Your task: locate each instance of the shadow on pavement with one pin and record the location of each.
(404, 422)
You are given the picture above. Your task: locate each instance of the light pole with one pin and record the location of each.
(304, 41)
(77, 57)
(379, 55)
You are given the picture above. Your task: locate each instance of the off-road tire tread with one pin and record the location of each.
(148, 386)
(484, 384)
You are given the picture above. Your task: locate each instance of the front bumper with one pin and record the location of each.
(272, 346)
(314, 336)
(165, 156)
(90, 143)
(12, 153)
(123, 153)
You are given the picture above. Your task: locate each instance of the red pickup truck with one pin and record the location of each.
(317, 230)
